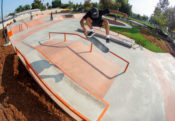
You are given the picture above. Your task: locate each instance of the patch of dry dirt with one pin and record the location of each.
(154, 39)
(21, 98)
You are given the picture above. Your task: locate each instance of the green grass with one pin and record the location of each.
(119, 15)
(139, 21)
(73, 12)
(135, 34)
(142, 22)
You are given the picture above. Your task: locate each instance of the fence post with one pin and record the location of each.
(49, 35)
(91, 47)
(64, 37)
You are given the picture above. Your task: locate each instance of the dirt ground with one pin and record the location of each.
(154, 39)
(21, 98)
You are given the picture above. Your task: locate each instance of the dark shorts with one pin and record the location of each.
(97, 23)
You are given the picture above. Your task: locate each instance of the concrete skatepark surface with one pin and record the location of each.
(145, 92)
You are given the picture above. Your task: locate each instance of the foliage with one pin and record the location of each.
(71, 5)
(138, 16)
(56, 3)
(142, 22)
(163, 5)
(135, 34)
(170, 14)
(37, 4)
(78, 7)
(26, 7)
(125, 6)
(64, 5)
(47, 5)
(159, 17)
(87, 5)
(19, 9)
(11, 14)
(121, 5)
(105, 4)
(110, 4)
(95, 5)
(22, 8)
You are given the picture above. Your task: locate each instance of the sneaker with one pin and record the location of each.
(90, 34)
(107, 40)
(7, 44)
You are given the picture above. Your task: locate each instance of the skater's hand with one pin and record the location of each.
(85, 32)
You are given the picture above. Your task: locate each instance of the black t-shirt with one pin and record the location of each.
(101, 13)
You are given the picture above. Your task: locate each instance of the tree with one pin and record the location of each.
(47, 4)
(75, 7)
(26, 7)
(37, 4)
(121, 5)
(125, 6)
(78, 7)
(144, 17)
(106, 4)
(95, 5)
(56, 3)
(71, 5)
(22, 8)
(87, 5)
(116, 5)
(159, 17)
(170, 14)
(140, 17)
(11, 14)
(19, 9)
(163, 5)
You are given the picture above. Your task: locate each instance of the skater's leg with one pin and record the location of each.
(106, 25)
(89, 23)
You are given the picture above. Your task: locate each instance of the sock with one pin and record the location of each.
(92, 30)
(107, 36)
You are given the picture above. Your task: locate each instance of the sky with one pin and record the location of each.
(146, 7)
(143, 7)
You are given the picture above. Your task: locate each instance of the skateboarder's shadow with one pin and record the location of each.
(57, 77)
(41, 66)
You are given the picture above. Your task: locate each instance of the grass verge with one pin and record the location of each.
(135, 34)
(142, 22)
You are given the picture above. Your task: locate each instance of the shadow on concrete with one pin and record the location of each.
(57, 77)
(40, 65)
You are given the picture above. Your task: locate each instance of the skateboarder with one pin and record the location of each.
(94, 18)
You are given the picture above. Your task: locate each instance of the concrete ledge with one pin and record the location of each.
(114, 38)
